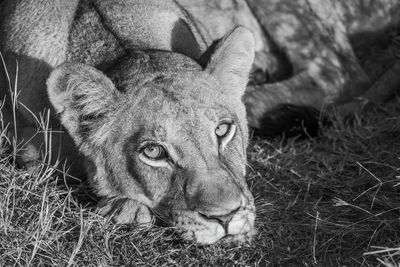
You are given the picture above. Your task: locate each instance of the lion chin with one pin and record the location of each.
(206, 231)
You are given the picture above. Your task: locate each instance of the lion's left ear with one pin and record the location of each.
(232, 60)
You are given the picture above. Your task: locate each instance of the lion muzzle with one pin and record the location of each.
(217, 209)
(237, 226)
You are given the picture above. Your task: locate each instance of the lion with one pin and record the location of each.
(152, 99)
(159, 134)
(304, 48)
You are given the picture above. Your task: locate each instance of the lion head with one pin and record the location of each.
(164, 136)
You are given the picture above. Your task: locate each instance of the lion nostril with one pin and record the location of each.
(223, 219)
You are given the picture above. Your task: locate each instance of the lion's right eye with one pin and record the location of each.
(225, 132)
(154, 152)
(222, 129)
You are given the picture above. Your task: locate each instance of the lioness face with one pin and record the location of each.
(187, 153)
(161, 131)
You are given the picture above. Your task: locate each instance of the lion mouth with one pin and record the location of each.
(207, 230)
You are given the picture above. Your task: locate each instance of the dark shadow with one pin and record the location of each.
(183, 40)
(32, 94)
(292, 121)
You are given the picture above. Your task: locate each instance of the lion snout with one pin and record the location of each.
(213, 196)
(218, 206)
(239, 221)
(205, 230)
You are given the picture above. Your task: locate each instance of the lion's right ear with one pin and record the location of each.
(232, 59)
(82, 96)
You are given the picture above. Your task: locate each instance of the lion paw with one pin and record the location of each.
(125, 211)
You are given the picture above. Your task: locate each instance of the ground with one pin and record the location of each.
(332, 200)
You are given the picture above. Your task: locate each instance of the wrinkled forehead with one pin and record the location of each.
(178, 108)
(174, 75)
(167, 129)
(138, 68)
(171, 91)
(170, 110)
(187, 89)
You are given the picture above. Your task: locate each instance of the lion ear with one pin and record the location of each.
(232, 60)
(82, 96)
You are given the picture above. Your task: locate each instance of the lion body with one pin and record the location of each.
(129, 77)
(304, 47)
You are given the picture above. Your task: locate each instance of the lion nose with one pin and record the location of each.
(213, 197)
(216, 203)
(223, 219)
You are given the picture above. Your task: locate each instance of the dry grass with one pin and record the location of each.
(328, 201)
(335, 197)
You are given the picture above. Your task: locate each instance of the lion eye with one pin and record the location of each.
(154, 152)
(225, 132)
(222, 129)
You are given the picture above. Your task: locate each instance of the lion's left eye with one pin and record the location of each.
(154, 152)
(222, 129)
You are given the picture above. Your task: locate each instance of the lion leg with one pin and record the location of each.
(40, 145)
(264, 104)
(17, 112)
(124, 210)
(325, 69)
(380, 91)
(31, 49)
(365, 16)
(39, 138)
